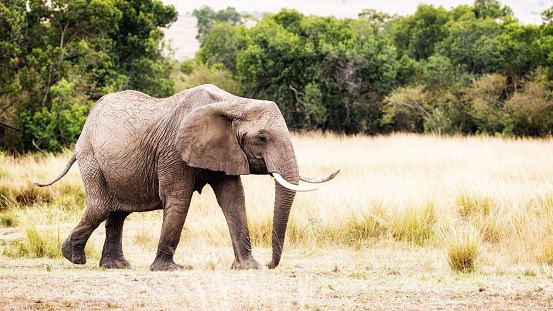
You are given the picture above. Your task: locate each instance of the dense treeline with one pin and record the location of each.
(470, 70)
(58, 57)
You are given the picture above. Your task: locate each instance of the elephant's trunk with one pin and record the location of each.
(283, 203)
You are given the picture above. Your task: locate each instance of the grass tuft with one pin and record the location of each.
(414, 223)
(547, 253)
(7, 219)
(462, 247)
(361, 224)
(483, 211)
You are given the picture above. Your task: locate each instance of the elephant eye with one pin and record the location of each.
(262, 137)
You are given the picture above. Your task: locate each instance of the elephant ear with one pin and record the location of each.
(206, 139)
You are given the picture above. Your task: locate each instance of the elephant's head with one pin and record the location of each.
(242, 137)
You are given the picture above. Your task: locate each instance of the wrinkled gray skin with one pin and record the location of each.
(137, 153)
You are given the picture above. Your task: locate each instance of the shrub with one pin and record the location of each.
(206, 74)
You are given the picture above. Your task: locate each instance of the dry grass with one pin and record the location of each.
(402, 187)
(462, 248)
(17, 176)
(391, 231)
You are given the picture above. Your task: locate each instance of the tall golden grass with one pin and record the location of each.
(461, 194)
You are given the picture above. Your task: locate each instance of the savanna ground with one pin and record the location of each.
(412, 222)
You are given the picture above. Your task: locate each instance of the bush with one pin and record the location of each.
(206, 74)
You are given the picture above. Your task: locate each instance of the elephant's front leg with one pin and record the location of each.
(230, 196)
(175, 209)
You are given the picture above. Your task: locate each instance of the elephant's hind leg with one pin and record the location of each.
(73, 247)
(99, 204)
(112, 254)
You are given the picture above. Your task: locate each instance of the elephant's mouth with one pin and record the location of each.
(257, 166)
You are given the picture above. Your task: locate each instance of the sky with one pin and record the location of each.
(527, 11)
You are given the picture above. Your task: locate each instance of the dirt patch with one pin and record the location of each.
(10, 234)
(389, 278)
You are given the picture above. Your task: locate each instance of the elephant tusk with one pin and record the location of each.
(290, 186)
(317, 180)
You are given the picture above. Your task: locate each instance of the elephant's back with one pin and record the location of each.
(129, 109)
(123, 117)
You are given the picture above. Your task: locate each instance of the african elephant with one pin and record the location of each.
(137, 153)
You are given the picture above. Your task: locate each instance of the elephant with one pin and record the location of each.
(138, 153)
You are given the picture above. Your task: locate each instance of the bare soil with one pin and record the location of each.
(381, 276)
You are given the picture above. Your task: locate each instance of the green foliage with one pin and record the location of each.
(60, 125)
(198, 74)
(487, 96)
(221, 46)
(187, 66)
(466, 70)
(56, 57)
(416, 35)
(136, 49)
(529, 112)
(207, 17)
(491, 9)
(470, 43)
(314, 68)
(470, 70)
(406, 109)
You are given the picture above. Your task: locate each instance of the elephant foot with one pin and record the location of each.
(160, 265)
(74, 254)
(115, 263)
(245, 264)
(272, 264)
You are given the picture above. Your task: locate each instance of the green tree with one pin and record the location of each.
(61, 124)
(57, 32)
(531, 109)
(12, 57)
(438, 71)
(487, 96)
(58, 56)
(491, 9)
(136, 50)
(417, 35)
(207, 18)
(518, 53)
(470, 44)
(406, 108)
(221, 46)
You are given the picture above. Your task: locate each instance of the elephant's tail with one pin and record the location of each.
(67, 167)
